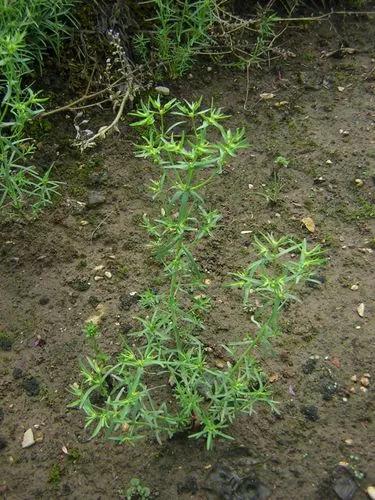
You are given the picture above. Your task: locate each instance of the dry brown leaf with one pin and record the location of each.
(309, 223)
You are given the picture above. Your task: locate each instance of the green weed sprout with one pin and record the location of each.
(137, 491)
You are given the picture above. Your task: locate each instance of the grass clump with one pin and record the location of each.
(163, 381)
(27, 29)
(181, 29)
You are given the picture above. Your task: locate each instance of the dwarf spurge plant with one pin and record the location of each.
(166, 360)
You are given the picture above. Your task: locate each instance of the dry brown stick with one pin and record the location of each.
(104, 130)
(83, 98)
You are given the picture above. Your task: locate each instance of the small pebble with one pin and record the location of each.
(162, 90)
(354, 378)
(352, 390)
(84, 222)
(329, 162)
(28, 439)
(361, 309)
(349, 442)
(367, 375)
(354, 287)
(98, 278)
(363, 389)
(371, 492)
(108, 274)
(99, 268)
(365, 381)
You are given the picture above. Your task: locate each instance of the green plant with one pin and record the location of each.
(137, 491)
(181, 29)
(272, 190)
(166, 360)
(27, 28)
(55, 474)
(365, 210)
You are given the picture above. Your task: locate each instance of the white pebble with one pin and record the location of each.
(28, 439)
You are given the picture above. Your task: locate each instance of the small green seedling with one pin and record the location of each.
(137, 491)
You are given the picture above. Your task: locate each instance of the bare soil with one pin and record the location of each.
(322, 119)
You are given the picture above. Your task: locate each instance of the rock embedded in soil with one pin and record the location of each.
(328, 389)
(94, 199)
(5, 342)
(160, 89)
(311, 413)
(80, 284)
(343, 483)
(31, 386)
(28, 439)
(371, 492)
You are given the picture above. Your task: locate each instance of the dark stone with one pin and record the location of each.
(80, 285)
(43, 301)
(3, 443)
(31, 386)
(328, 389)
(309, 366)
(5, 343)
(17, 373)
(310, 413)
(343, 483)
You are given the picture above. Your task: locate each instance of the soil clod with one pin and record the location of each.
(31, 386)
(311, 413)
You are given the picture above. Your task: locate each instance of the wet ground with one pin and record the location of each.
(321, 118)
